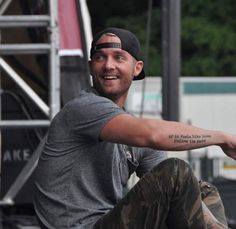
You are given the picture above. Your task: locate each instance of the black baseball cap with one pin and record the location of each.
(129, 43)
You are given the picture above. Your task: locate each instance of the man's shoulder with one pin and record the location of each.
(90, 100)
(85, 96)
(90, 94)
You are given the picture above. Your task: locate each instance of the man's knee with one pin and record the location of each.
(174, 167)
(175, 174)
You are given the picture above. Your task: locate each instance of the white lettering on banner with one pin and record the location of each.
(16, 155)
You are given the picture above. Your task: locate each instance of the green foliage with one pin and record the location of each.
(208, 37)
(138, 25)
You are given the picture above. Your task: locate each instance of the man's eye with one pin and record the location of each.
(98, 57)
(119, 58)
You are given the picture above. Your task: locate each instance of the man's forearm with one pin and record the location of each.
(189, 141)
(179, 136)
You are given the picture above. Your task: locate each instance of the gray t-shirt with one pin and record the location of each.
(79, 178)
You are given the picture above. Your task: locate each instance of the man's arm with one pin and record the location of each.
(165, 135)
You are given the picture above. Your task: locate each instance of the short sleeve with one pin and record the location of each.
(89, 114)
(148, 159)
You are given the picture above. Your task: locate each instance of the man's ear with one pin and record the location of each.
(138, 67)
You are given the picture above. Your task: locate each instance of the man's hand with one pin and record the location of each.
(229, 148)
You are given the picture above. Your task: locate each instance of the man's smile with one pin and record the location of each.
(110, 77)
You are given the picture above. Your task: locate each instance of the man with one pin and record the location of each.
(94, 146)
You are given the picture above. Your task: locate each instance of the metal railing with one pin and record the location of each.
(50, 22)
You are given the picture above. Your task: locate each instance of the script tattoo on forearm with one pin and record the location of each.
(189, 139)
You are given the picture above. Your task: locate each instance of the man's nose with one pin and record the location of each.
(109, 63)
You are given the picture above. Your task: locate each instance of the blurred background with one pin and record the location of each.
(189, 51)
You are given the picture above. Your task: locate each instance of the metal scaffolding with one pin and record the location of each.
(50, 22)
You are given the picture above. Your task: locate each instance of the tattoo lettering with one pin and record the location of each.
(189, 139)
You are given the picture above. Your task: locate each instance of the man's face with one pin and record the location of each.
(113, 69)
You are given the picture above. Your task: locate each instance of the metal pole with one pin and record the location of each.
(14, 124)
(35, 98)
(170, 58)
(54, 60)
(4, 6)
(1, 218)
(10, 21)
(24, 175)
(147, 44)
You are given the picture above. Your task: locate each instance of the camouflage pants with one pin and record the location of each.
(166, 197)
(211, 198)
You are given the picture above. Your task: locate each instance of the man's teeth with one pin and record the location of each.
(110, 77)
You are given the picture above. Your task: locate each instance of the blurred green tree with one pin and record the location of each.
(208, 38)
(208, 35)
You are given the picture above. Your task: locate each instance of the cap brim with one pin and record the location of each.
(140, 76)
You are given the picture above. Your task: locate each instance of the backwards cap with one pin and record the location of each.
(129, 43)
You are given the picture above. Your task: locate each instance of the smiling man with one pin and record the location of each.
(113, 67)
(94, 146)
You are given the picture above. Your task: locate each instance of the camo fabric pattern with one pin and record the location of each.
(210, 196)
(166, 197)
